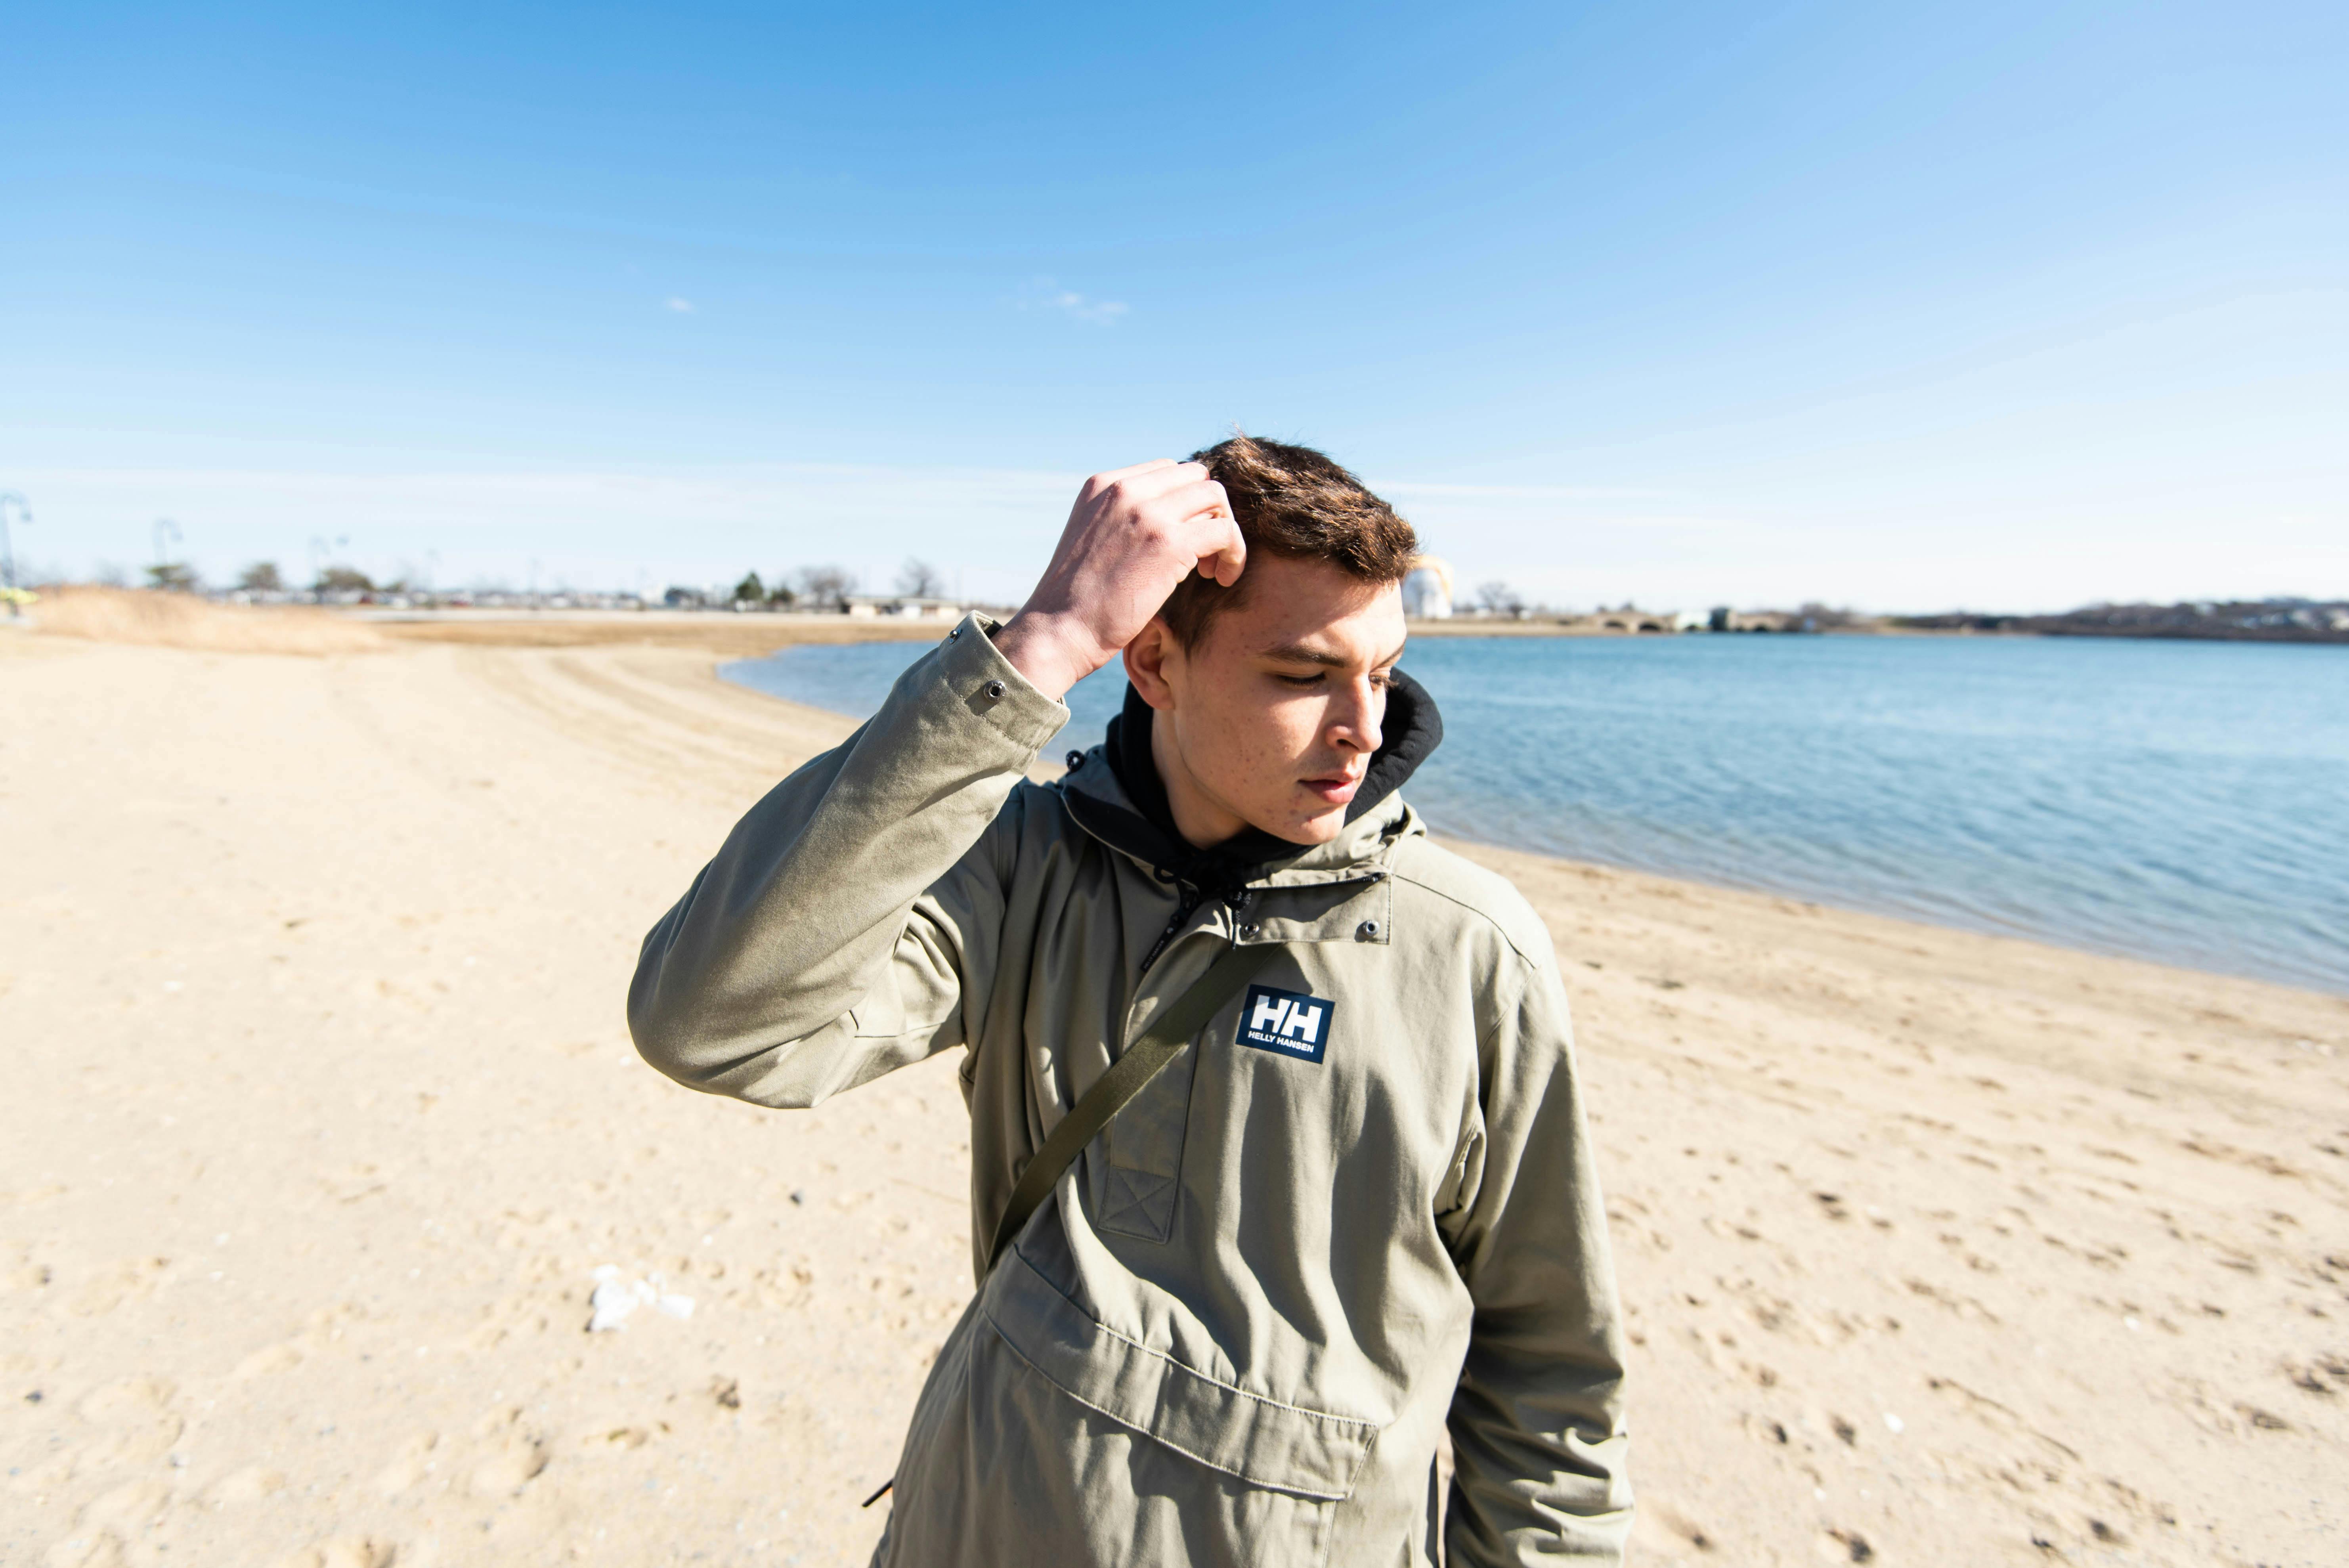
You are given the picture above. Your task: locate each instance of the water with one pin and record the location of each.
(2187, 802)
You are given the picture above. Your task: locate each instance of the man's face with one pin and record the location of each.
(1269, 721)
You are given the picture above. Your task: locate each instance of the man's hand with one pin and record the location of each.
(1132, 536)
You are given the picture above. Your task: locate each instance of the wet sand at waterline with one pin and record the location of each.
(1937, 1248)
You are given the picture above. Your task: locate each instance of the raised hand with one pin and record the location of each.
(1134, 535)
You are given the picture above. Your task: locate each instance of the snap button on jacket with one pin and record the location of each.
(1238, 1331)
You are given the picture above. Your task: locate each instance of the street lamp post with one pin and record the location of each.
(167, 534)
(320, 553)
(7, 544)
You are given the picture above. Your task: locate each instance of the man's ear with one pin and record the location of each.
(1151, 659)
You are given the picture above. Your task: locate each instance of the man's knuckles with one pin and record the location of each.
(1205, 506)
(1148, 481)
(1151, 512)
(1123, 502)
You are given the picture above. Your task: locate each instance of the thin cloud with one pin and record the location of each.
(1523, 492)
(680, 304)
(1046, 295)
(1103, 311)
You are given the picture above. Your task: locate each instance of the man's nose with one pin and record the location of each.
(1355, 724)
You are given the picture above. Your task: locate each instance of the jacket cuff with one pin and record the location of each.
(975, 673)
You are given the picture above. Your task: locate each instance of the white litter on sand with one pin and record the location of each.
(617, 1296)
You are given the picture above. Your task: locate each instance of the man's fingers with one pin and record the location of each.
(1230, 557)
(1201, 518)
(1208, 531)
(1101, 482)
(1203, 497)
(1192, 511)
(1153, 485)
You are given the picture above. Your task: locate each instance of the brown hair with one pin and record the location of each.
(1291, 501)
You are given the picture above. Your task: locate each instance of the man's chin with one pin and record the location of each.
(1319, 828)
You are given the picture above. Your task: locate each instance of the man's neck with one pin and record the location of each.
(1202, 822)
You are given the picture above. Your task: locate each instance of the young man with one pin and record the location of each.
(1355, 1207)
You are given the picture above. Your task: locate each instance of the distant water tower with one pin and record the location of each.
(1427, 589)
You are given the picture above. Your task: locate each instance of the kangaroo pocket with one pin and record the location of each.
(1285, 1448)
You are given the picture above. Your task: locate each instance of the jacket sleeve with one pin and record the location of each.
(850, 922)
(1537, 1424)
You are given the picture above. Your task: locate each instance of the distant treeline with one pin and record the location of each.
(2232, 619)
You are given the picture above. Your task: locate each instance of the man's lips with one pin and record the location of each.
(1338, 788)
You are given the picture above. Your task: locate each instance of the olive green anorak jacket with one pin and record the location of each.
(1238, 1329)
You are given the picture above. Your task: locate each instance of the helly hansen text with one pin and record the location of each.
(1286, 1022)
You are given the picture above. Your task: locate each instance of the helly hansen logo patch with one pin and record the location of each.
(1286, 1022)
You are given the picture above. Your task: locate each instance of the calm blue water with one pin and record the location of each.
(2187, 802)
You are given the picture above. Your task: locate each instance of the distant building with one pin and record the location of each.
(1427, 589)
(901, 606)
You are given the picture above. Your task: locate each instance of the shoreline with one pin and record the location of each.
(1460, 626)
(312, 968)
(171, 616)
(745, 637)
(1923, 917)
(1989, 949)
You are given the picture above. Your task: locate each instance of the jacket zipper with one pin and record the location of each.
(1184, 907)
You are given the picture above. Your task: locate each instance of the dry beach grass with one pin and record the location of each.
(184, 621)
(1939, 1248)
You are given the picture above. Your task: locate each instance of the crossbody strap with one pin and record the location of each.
(1127, 1077)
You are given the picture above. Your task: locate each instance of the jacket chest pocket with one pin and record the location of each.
(1134, 1188)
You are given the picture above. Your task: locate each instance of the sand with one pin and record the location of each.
(1937, 1248)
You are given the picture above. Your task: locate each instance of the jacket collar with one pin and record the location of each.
(1115, 794)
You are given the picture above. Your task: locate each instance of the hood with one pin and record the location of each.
(1115, 794)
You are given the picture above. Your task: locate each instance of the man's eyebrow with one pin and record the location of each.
(1298, 653)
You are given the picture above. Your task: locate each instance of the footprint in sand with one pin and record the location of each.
(410, 1465)
(143, 1425)
(138, 1445)
(270, 1358)
(512, 1465)
(85, 1549)
(248, 1484)
(31, 1277)
(1844, 1546)
(344, 1551)
(514, 1457)
(131, 1396)
(123, 1282)
(1664, 1534)
(128, 1509)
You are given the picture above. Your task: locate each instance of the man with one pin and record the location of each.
(1354, 1209)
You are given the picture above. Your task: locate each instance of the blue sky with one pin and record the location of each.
(1907, 306)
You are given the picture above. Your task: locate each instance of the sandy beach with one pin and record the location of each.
(1938, 1248)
